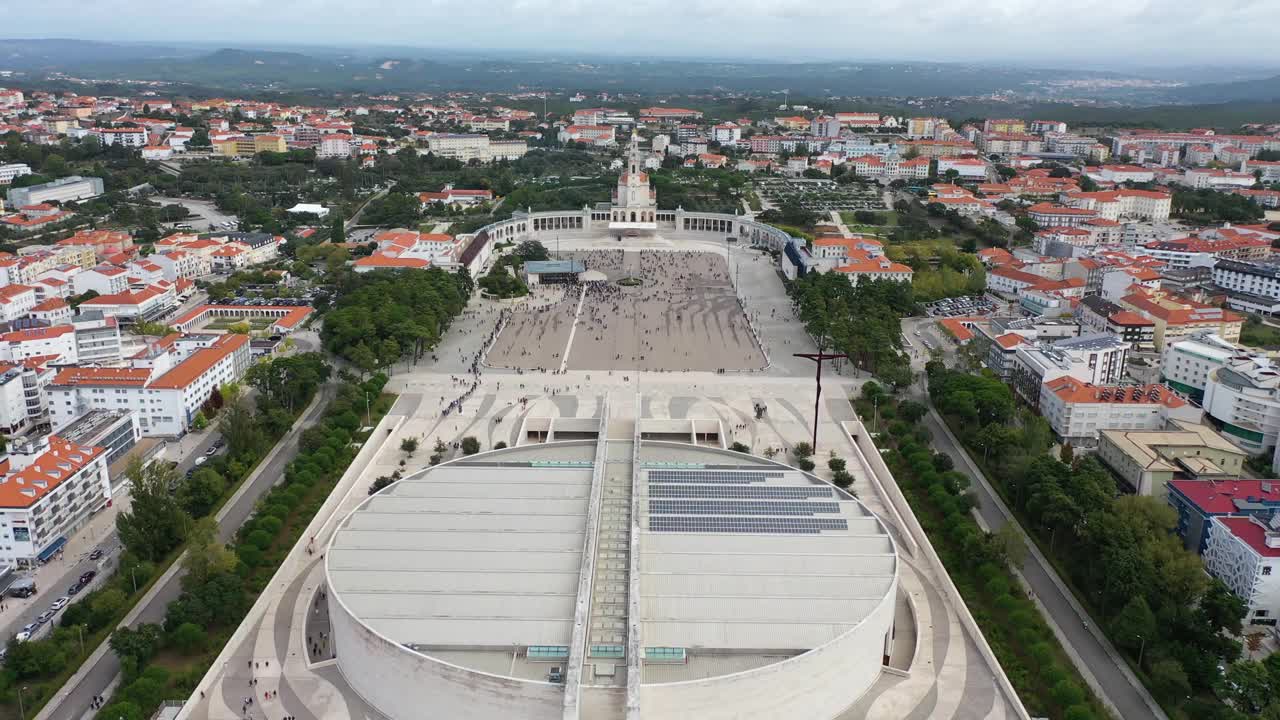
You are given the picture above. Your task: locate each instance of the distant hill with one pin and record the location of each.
(1263, 90)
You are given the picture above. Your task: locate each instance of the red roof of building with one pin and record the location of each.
(61, 461)
(1252, 533)
(200, 362)
(1218, 498)
(1072, 390)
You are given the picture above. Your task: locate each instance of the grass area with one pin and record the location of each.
(794, 231)
(1256, 333)
(255, 323)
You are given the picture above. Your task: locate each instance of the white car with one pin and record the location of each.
(200, 460)
(60, 603)
(22, 636)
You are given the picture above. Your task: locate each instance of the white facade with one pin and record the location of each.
(13, 170)
(1245, 277)
(16, 302)
(1186, 364)
(51, 488)
(104, 280)
(58, 341)
(1242, 396)
(1078, 412)
(1245, 554)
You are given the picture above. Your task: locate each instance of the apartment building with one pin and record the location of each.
(1197, 502)
(165, 387)
(1242, 396)
(1098, 359)
(48, 489)
(1077, 410)
(1244, 552)
(1149, 460)
(67, 189)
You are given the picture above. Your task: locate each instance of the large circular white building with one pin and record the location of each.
(611, 579)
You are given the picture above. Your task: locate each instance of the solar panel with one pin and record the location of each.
(712, 476)
(745, 507)
(730, 492)
(780, 526)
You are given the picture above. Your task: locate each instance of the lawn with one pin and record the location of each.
(1257, 334)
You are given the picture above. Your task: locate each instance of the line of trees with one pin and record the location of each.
(979, 563)
(220, 581)
(1150, 594)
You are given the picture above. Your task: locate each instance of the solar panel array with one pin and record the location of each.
(712, 476)
(740, 507)
(738, 501)
(787, 526)
(752, 492)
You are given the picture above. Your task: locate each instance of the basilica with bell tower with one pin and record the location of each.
(634, 210)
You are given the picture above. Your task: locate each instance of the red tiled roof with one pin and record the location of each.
(62, 460)
(200, 362)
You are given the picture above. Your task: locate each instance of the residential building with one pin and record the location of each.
(103, 279)
(1049, 215)
(1177, 317)
(1197, 502)
(101, 242)
(1194, 251)
(128, 137)
(1077, 410)
(1124, 204)
(589, 134)
(966, 168)
(1098, 359)
(1186, 363)
(13, 170)
(56, 344)
(145, 305)
(1252, 278)
(97, 337)
(65, 189)
(49, 488)
(165, 387)
(1150, 460)
(1244, 552)
(16, 302)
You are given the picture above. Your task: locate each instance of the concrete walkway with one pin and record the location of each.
(839, 221)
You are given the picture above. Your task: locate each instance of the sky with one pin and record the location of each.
(1107, 33)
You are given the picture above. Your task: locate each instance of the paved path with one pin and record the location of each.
(839, 221)
(102, 667)
(1093, 656)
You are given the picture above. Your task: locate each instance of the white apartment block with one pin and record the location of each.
(1248, 277)
(165, 389)
(128, 137)
(1077, 411)
(13, 170)
(50, 488)
(1243, 396)
(1185, 364)
(467, 147)
(103, 279)
(57, 342)
(16, 302)
(1244, 552)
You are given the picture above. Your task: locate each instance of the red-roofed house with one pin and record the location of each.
(1176, 317)
(58, 341)
(142, 305)
(1244, 552)
(103, 242)
(16, 301)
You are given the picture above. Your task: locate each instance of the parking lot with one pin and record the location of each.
(961, 306)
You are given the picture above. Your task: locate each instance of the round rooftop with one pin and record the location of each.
(483, 562)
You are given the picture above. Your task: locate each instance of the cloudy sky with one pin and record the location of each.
(1101, 32)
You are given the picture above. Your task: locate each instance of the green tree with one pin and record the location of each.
(189, 638)
(470, 445)
(1135, 625)
(206, 556)
(337, 229)
(155, 523)
(201, 492)
(1248, 684)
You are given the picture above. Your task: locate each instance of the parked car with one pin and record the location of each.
(87, 576)
(201, 460)
(212, 449)
(75, 589)
(59, 603)
(22, 636)
(97, 553)
(45, 616)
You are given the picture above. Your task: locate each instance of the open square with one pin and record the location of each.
(681, 314)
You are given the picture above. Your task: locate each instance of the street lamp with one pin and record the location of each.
(1141, 646)
(21, 710)
(133, 572)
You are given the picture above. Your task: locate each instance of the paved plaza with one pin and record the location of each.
(936, 669)
(681, 314)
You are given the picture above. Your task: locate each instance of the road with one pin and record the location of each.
(52, 587)
(1091, 653)
(73, 701)
(355, 216)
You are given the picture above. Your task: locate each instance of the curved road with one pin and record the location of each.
(72, 701)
